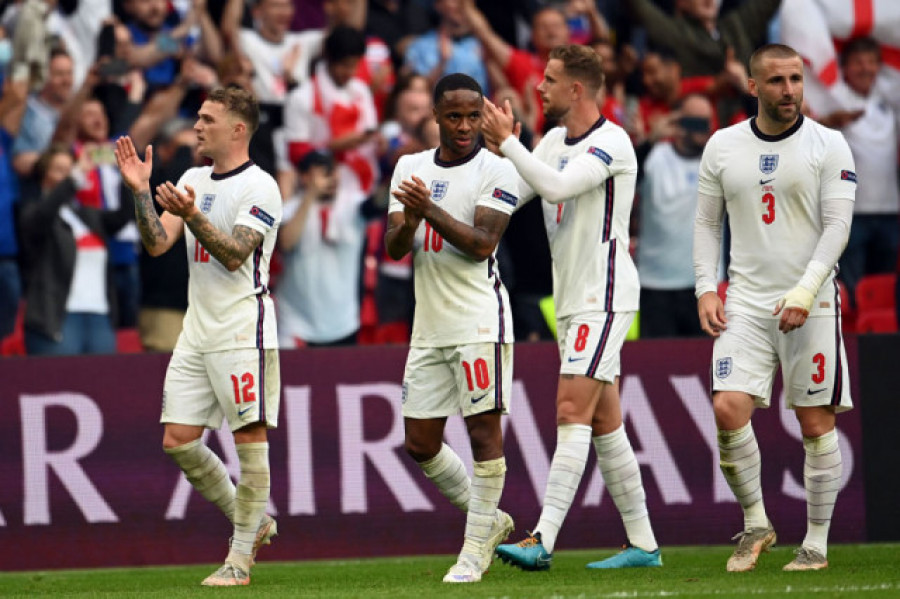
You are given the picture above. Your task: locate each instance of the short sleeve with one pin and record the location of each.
(261, 206)
(500, 190)
(396, 178)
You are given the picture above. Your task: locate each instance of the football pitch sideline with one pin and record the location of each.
(871, 571)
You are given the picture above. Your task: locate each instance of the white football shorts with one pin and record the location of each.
(242, 385)
(467, 379)
(813, 361)
(590, 344)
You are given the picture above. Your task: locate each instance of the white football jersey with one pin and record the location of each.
(772, 187)
(231, 310)
(458, 300)
(588, 234)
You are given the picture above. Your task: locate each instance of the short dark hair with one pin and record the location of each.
(860, 45)
(453, 82)
(581, 63)
(344, 42)
(39, 171)
(773, 50)
(315, 158)
(238, 102)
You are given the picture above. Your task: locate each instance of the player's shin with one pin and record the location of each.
(449, 474)
(822, 475)
(622, 477)
(573, 443)
(740, 462)
(206, 472)
(487, 487)
(252, 497)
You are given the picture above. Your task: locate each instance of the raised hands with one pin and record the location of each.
(135, 172)
(498, 123)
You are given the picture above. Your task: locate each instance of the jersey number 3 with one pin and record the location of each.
(769, 216)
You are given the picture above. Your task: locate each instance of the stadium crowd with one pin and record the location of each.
(345, 91)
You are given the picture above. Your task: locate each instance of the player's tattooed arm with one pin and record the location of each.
(231, 250)
(479, 240)
(152, 231)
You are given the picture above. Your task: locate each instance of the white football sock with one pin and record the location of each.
(252, 495)
(487, 486)
(622, 477)
(740, 462)
(447, 471)
(206, 472)
(822, 478)
(573, 442)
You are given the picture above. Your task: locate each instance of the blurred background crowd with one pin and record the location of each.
(345, 91)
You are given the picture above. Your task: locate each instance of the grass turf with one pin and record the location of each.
(856, 571)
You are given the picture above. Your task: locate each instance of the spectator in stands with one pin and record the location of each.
(524, 69)
(321, 240)
(699, 36)
(397, 22)
(71, 297)
(870, 127)
(376, 67)
(661, 76)
(42, 113)
(159, 38)
(334, 111)
(712, 48)
(84, 126)
(164, 279)
(448, 48)
(281, 58)
(12, 108)
(668, 200)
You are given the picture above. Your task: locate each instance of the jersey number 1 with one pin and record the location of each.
(433, 241)
(200, 253)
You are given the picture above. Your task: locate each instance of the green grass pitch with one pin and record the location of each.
(870, 571)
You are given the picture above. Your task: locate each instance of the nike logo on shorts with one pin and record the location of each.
(477, 399)
(571, 359)
(245, 410)
(764, 181)
(814, 391)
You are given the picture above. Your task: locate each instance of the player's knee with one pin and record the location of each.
(421, 451)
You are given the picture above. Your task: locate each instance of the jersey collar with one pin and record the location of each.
(458, 161)
(783, 135)
(231, 173)
(571, 141)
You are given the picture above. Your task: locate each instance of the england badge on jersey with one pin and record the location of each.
(206, 202)
(439, 190)
(723, 367)
(768, 163)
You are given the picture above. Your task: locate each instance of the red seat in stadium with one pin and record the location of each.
(128, 341)
(875, 292)
(877, 321)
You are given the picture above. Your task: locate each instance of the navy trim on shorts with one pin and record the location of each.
(262, 385)
(601, 346)
(498, 376)
(837, 385)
